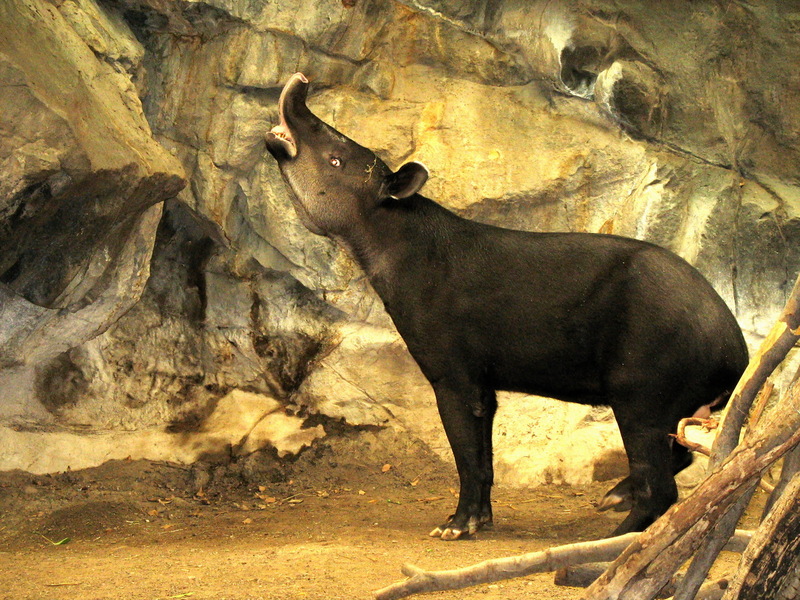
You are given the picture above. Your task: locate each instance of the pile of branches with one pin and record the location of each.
(645, 565)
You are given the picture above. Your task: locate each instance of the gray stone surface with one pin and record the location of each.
(673, 122)
(80, 189)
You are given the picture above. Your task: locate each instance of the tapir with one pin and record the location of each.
(590, 318)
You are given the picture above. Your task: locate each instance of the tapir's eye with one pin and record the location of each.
(335, 161)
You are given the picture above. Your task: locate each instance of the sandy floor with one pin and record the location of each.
(259, 528)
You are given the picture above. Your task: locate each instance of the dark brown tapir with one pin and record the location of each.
(589, 318)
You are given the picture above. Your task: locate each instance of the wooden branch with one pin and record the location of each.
(755, 414)
(706, 554)
(648, 560)
(676, 535)
(585, 575)
(554, 559)
(759, 404)
(774, 553)
(498, 569)
(781, 338)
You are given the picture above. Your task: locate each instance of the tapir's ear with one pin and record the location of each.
(407, 181)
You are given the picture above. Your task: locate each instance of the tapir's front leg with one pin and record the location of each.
(467, 412)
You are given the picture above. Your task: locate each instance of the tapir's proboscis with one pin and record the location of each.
(581, 317)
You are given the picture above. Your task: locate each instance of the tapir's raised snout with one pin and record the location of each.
(335, 182)
(281, 140)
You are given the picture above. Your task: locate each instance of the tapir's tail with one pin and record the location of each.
(718, 403)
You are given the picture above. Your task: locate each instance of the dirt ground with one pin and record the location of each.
(337, 522)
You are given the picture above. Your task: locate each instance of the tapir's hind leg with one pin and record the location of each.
(467, 412)
(651, 481)
(620, 497)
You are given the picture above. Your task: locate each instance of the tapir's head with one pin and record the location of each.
(335, 181)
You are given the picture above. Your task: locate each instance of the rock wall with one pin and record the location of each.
(154, 277)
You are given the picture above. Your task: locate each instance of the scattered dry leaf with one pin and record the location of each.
(386, 468)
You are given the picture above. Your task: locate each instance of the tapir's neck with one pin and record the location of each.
(399, 235)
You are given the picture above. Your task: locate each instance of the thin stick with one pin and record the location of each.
(680, 435)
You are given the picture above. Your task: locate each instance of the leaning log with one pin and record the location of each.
(771, 562)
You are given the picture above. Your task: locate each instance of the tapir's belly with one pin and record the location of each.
(510, 348)
(549, 365)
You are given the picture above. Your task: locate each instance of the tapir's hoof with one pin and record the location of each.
(448, 532)
(617, 502)
(619, 498)
(436, 532)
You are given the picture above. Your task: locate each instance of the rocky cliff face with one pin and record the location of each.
(156, 287)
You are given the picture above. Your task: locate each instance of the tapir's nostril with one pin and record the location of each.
(296, 77)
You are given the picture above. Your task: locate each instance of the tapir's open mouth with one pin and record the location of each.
(282, 133)
(280, 136)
